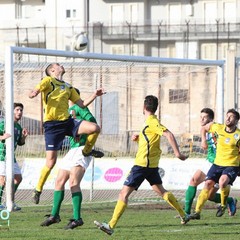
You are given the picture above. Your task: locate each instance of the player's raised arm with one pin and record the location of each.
(34, 93)
(172, 141)
(204, 130)
(84, 103)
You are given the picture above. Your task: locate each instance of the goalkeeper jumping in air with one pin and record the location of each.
(146, 165)
(58, 122)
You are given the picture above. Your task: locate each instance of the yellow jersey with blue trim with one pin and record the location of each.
(55, 96)
(227, 146)
(149, 151)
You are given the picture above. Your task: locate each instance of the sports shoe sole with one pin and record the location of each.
(100, 226)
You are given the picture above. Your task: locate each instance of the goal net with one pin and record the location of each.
(183, 88)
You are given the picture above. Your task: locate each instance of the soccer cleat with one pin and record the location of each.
(16, 207)
(184, 219)
(94, 153)
(104, 227)
(36, 196)
(50, 220)
(74, 223)
(232, 207)
(195, 216)
(220, 211)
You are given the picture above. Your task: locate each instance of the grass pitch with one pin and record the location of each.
(137, 223)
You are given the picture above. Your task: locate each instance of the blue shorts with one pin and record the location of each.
(138, 174)
(55, 132)
(215, 172)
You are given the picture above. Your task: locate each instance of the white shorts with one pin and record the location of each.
(74, 158)
(16, 168)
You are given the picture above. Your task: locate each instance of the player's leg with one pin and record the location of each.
(2, 181)
(214, 196)
(227, 178)
(17, 181)
(118, 211)
(171, 200)
(190, 194)
(76, 175)
(92, 130)
(202, 198)
(58, 196)
(132, 182)
(51, 158)
(2, 186)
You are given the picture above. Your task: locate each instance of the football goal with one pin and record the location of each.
(183, 87)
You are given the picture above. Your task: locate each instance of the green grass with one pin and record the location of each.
(137, 223)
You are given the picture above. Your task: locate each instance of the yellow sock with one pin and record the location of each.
(172, 201)
(224, 195)
(118, 211)
(91, 140)
(202, 198)
(43, 177)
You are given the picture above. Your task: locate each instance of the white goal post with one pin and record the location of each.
(139, 76)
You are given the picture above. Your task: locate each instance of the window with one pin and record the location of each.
(175, 13)
(117, 49)
(117, 15)
(208, 51)
(229, 12)
(71, 13)
(178, 96)
(133, 13)
(210, 12)
(171, 50)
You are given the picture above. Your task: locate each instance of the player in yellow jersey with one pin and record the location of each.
(57, 120)
(226, 164)
(146, 165)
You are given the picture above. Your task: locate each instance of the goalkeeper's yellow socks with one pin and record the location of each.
(77, 201)
(118, 211)
(58, 197)
(43, 178)
(189, 197)
(202, 198)
(91, 140)
(172, 201)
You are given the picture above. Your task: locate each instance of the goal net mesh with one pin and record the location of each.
(182, 89)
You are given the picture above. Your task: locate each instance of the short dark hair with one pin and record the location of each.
(47, 69)
(235, 113)
(18, 105)
(151, 103)
(209, 112)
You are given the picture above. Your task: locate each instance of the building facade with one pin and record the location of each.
(196, 29)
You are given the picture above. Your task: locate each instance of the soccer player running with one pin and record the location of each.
(207, 116)
(72, 168)
(57, 121)
(225, 168)
(20, 135)
(146, 165)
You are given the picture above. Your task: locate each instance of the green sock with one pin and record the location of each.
(15, 187)
(229, 200)
(77, 201)
(217, 198)
(189, 196)
(58, 197)
(1, 193)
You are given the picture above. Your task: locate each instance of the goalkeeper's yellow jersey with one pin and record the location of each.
(149, 151)
(55, 96)
(227, 146)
